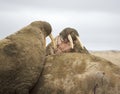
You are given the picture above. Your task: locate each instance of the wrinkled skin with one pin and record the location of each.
(21, 58)
(62, 46)
(76, 73)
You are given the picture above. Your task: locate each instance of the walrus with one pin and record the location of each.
(22, 58)
(68, 40)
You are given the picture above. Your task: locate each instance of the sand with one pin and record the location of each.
(113, 56)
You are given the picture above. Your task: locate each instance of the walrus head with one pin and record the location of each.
(46, 30)
(70, 34)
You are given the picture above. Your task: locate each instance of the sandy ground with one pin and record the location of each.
(113, 56)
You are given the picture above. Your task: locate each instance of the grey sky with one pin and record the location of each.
(97, 21)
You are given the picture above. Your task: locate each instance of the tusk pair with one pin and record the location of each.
(53, 41)
(69, 38)
(71, 41)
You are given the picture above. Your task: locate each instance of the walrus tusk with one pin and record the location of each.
(70, 40)
(53, 41)
(80, 42)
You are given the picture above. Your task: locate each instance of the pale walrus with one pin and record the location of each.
(67, 41)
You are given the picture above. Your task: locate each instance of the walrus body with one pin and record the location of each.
(78, 73)
(21, 58)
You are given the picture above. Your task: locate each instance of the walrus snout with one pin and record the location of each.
(46, 29)
(70, 34)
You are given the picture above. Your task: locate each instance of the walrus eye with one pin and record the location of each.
(70, 40)
(80, 42)
(53, 41)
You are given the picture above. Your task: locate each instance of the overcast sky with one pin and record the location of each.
(97, 21)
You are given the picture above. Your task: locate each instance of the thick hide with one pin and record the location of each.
(21, 59)
(75, 73)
